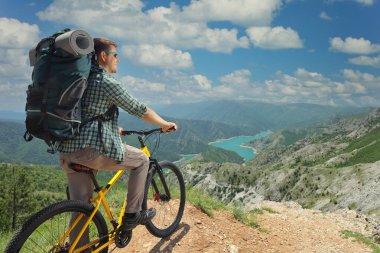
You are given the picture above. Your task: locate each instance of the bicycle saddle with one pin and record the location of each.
(79, 167)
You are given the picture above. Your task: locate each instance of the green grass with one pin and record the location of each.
(361, 238)
(248, 219)
(368, 148)
(203, 201)
(208, 205)
(4, 239)
(269, 210)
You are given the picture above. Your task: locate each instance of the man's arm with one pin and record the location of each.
(153, 118)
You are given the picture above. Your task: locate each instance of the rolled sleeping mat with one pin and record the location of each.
(75, 42)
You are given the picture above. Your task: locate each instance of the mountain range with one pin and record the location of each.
(199, 124)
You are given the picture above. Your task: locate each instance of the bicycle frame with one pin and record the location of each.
(97, 202)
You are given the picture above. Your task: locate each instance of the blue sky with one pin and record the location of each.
(276, 51)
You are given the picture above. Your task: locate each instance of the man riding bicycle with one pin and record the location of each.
(99, 145)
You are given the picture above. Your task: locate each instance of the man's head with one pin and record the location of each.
(106, 53)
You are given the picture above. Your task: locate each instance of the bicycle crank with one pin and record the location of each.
(123, 237)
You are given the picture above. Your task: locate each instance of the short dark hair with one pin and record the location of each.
(102, 44)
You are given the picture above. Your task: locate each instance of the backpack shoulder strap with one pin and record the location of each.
(110, 114)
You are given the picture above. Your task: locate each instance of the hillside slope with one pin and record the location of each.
(337, 167)
(287, 228)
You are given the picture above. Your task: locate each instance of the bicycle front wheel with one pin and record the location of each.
(44, 231)
(165, 191)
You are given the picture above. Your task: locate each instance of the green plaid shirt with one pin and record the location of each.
(103, 91)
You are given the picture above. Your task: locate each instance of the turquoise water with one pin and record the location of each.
(185, 158)
(234, 144)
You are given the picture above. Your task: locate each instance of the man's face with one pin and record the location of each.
(110, 59)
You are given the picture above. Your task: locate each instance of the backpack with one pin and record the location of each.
(62, 64)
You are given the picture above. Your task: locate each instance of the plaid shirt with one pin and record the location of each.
(102, 92)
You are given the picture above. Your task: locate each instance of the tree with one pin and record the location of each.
(17, 200)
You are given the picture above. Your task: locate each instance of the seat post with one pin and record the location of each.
(93, 178)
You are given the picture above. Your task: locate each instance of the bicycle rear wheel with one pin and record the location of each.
(165, 191)
(43, 230)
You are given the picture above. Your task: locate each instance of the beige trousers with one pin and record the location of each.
(81, 186)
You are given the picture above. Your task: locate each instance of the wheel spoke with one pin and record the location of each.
(50, 224)
(168, 181)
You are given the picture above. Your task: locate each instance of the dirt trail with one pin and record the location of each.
(288, 229)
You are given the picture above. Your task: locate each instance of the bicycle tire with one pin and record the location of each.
(35, 230)
(169, 205)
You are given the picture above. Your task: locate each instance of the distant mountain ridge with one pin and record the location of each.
(192, 137)
(260, 116)
(199, 124)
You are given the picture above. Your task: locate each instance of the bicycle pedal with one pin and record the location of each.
(123, 237)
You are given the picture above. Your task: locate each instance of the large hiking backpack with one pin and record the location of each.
(53, 108)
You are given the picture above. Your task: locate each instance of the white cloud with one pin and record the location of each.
(244, 12)
(160, 25)
(203, 82)
(237, 78)
(158, 56)
(365, 2)
(170, 86)
(303, 86)
(15, 73)
(325, 16)
(366, 61)
(353, 46)
(274, 38)
(313, 87)
(16, 34)
(357, 76)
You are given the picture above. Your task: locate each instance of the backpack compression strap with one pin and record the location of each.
(110, 114)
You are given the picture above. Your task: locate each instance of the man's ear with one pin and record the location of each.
(102, 57)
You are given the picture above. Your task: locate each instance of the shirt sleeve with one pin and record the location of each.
(120, 97)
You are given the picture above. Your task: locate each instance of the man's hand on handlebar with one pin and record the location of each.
(169, 127)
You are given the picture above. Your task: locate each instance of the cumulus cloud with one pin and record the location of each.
(274, 38)
(366, 61)
(15, 73)
(170, 86)
(157, 56)
(357, 76)
(203, 82)
(303, 86)
(244, 12)
(365, 2)
(237, 78)
(16, 34)
(161, 25)
(325, 16)
(312, 87)
(362, 2)
(353, 45)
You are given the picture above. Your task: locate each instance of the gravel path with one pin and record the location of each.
(289, 228)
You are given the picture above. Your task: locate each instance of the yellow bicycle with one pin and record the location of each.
(51, 229)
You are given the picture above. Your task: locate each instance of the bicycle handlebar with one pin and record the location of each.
(130, 132)
(145, 133)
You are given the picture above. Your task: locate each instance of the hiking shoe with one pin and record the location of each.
(139, 219)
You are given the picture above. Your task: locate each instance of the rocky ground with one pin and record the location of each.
(285, 227)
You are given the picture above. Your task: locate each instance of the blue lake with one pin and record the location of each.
(235, 144)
